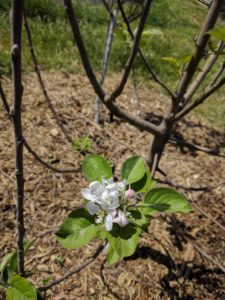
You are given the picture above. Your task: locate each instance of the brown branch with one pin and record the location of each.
(108, 46)
(27, 146)
(16, 20)
(47, 165)
(4, 100)
(207, 216)
(135, 121)
(133, 52)
(179, 231)
(201, 43)
(82, 50)
(208, 92)
(72, 272)
(217, 74)
(205, 189)
(205, 70)
(41, 82)
(147, 65)
(194, 147)
(114, 109)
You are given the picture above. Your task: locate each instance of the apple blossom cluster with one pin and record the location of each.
(108, 201)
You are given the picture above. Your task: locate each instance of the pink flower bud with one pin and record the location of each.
(130, 194)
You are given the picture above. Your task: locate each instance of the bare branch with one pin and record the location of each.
(135, 121)
(205, 189)
(4, 100)
(133, 52)
(207, 216)
(217, 74)
(17, 15)
(44, 163)
(147, 65)
(200, 48)
(108, 46)
(72, 272)
(28, 147)
(41, 82)
(173, 222)
(194, 147)
(114, 109)
(82, 50)
(208, 92)
(205, 70)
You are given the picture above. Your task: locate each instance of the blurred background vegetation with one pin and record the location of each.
(179, 22)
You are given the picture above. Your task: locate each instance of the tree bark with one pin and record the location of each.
(16, 19)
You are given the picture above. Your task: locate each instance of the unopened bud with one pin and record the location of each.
(130, 194)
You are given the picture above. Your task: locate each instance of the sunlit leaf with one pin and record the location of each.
(95, 167)
(133, 169)
(20, 289)
(166, 200)
(77, 230)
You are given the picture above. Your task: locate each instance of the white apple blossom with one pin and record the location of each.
(121, 219)
(104, 200)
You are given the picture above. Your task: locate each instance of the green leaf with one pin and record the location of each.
(139, 219)
(95, 166)
(133, 169)
(166, 200)
(146, 209)
(218, 33)
(6, 261)
(20, 289)
(170, 59)
(13, 263)
(144, 184)
(123, 240)
(78, 229)
(151, 32)
(8, 264)
(112, 256)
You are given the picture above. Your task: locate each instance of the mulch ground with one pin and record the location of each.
(165, 266)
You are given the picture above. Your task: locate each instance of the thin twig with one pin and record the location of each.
(16, 20)
(116, 93)
(114, 109)
(41, 82)
(188, 188)
(4, 100)
(108, 46)
(210, 62)
(208, 92)
(217, 75)
(201, 43)
(47, 165)
(194, 147)
(82, 50)
(72, 272)
(172, 221)
(28, 147)
(207, 216)
(147, 65)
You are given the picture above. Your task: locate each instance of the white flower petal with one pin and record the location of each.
(92, 208)
(87, 195)
(94, 184)
(108, 222)
(121, 185)
(112, 186)
(121, 219)
(112, 212)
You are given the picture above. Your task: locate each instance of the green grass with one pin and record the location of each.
(178, 20)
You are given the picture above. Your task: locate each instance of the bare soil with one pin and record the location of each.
(165, 266)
